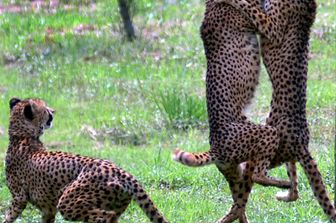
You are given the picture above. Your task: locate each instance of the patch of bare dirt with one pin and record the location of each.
(81, 29)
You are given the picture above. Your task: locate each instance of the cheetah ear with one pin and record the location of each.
(13, 102)
(33, 105)
(30, 109)
(28, 112)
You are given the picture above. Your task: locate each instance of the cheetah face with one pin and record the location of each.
(29, 117)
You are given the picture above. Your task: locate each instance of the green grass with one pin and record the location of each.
(181, 110)
(100, 83)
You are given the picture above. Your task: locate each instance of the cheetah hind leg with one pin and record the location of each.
(265, 180)
(240, 185)
(260, 175)
(101, 216)
(88, 214)
(234, 175)
(78, 204)
(292, 194)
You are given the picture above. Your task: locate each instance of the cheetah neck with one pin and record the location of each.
(24, 145)
(18, 131)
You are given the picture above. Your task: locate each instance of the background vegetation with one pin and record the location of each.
(134, 102)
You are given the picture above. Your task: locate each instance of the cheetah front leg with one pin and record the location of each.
(17, 206)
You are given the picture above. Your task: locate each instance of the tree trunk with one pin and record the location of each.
(125, 15)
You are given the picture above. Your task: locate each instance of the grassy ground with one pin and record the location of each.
(133, 103)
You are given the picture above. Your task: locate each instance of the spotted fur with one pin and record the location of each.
(233, 64)
(81, 188)
(285, 26)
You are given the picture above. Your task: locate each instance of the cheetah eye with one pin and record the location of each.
(28, 112)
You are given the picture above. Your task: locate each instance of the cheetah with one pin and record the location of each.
(80, 188)
(233, 65)
(285, 26)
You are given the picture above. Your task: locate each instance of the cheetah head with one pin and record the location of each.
(29, 117)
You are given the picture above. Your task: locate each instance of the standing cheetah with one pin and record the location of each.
(285, 28)
(81, 188)
(233, 64)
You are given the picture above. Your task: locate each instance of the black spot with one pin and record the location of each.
(143, 197)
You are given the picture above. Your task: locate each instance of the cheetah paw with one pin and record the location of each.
(286, 196)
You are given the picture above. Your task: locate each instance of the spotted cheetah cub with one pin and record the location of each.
(81, 188)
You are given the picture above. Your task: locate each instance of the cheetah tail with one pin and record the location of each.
(147, 205)
(193, 159)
